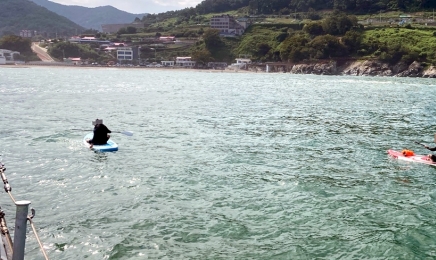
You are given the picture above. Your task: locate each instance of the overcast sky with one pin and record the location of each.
(135, 6)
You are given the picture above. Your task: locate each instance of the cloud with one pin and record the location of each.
(135, 6)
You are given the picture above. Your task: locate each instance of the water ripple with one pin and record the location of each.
(242, 166)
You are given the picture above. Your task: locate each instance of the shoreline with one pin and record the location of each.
(372, 68)
(126, 67)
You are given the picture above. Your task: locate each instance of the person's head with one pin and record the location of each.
(431, 157)
(97, 122)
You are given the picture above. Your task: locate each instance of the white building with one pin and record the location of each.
(7, 55)
(227, 25)
(167, 63)
(27, 33)
(241, 63)
(2, 59)
(75, 61)
(77, 39)
(127, 53)
(184, 62)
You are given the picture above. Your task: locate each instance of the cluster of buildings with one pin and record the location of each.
(227, 24)
(27, 33)
(126, 54)
(129, 54)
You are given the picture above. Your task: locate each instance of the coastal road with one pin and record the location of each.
(41, 52)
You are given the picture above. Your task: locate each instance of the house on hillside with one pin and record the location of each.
(27, 33)
(228, 25)
(167, 39)
(77, 39)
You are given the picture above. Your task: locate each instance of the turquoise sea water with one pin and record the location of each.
(221, 165)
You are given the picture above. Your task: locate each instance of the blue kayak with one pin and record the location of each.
(110, 146)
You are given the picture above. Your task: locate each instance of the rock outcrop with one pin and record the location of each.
(365, 68)
(329, 68)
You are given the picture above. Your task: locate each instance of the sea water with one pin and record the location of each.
(221, 165)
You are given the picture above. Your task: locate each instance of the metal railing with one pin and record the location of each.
(15, 250)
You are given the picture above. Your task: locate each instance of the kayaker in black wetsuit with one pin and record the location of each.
(431, 157)
(100, 133)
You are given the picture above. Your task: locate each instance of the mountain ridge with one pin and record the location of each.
(90, 17)
(17, 15)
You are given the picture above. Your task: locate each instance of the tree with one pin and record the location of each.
(338, 23)
(294, 48)
(16, 43)
(327, 46)
(66, 49)
(131, 30)
(122, 31)
(313, 28)
(352, 40)
(202, 56)
(313, 15)
(212, 38)
(262, 49)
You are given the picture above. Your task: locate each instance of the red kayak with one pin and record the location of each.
(411, 158)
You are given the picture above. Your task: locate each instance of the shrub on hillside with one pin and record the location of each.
(338, 23)
(327, 46)
(313, 28)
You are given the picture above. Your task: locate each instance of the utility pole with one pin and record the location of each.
(154, 53)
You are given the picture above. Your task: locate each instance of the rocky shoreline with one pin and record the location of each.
(365, 68)
(351, 68)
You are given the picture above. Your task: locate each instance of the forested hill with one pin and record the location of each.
(17, 15)
(90, 18)
(289, 6)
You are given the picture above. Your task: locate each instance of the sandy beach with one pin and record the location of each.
(29, 65)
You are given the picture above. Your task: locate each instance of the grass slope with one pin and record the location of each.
(420, 41)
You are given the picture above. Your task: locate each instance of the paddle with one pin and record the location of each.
(425, 146)
(128, 133)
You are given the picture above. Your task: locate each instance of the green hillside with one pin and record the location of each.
(17, 15)
(289, 7)
(391, 31)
